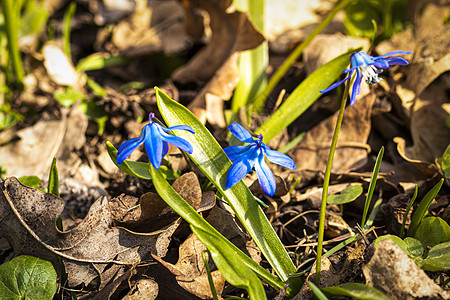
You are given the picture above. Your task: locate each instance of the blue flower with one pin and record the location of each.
(156, 139)
(251, 156)
(367, 67)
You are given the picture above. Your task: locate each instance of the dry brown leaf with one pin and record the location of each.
(391, 271)
(154, 26)
(325, 47)
(209, 101)
(27, 220)
(190, 269)
(151, 213)
(429, 42)
(231, 32)
(145, 288)
(352, 149)
(39, 144)
(60, 69)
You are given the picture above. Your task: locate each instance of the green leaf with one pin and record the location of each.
(432, 231)
(359, 16)
(30, 181)
(27, 277)
(421, 210)
(444, 162)
(214, 163)
(136, 168)
(224, 253)
(97, 61)
(53, 180)
(355, 290)
(95, 87)
(318, 294)
(398, 241)
(373, 182)
(347, 195)
(304, 96)
(438, 258)
(230, 265)
(68, 96)
(415, 248)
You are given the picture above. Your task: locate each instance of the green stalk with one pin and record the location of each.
(11, 26)
(260, 100)
(405, 215)
(252, 63)
(326, 182)
(373, 182)
(66, 28)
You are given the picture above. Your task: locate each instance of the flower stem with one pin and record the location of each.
(326, 182)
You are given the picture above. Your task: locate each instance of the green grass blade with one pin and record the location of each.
(53, 180)
(70, 12)
(214, 163)
(210, 279)
(420, 212)
(252, 63)
(405, 215)
(317, 292)
(292, 58)
(12, 18)
(304, 96)
(228, 257)
(373, 181)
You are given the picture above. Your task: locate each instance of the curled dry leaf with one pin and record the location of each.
(27, 220)
(231, 32)
(209, 102)
(390, 270)
(154, 26)
(352, 149)
(39, 144)
(190, 270)
(429, 41)
(150, 213)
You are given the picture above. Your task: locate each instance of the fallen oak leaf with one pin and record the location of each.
(27, 221)
(231, 32)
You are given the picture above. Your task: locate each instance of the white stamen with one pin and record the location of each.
(370, 74)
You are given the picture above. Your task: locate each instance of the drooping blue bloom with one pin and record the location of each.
(251, 156)
(156, 141)
(367, 67)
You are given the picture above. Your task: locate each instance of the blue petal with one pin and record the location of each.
(235, 152)
(165, 148)
(333, 86)
(129, 146)
(361, 59)
(381, 63)
(280, 159)
(176, 141)
(356, 87)
(241, 133)
(265, 176)
(154, 146)
(241, 167)
(396, 61)
(393, 53)
(179, 127)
